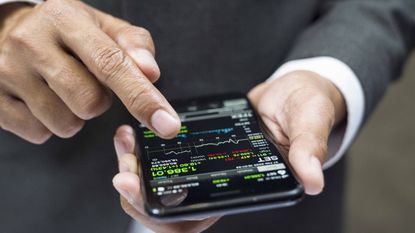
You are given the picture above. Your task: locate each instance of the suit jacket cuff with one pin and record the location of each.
(349, 85)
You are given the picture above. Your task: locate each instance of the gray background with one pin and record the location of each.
(381, 165)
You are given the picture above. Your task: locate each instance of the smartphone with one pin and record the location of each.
(220, 163)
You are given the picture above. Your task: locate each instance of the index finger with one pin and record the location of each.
(115, 69)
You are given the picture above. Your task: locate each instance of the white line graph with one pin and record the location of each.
(177, 153)
(230, 140)
(188, 149)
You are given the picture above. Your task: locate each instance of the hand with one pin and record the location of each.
(300, 110)
(61, 60)
(127, 183)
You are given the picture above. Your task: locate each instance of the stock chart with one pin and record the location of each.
(218, 143)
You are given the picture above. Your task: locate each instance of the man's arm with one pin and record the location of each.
(324, 49)
(373, 37)
(358, 47)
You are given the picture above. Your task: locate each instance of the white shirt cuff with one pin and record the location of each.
(343, 77)
(27, 1)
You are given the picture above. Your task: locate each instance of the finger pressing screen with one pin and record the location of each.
(115, 69)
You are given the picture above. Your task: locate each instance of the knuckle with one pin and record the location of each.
(19, 37)
(146, 37)
(32, 130)
(137, 31)
(71, 127)
(138, 34)
(26, 127)
(141, 100)
(110, 61)
(88, 100)
(93, 103)
(41, 136)
(68, 124)
(55, 9)
(61, 13)
(262, 111)
(142, 31)
(20, 41)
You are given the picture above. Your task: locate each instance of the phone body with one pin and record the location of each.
(220, 163)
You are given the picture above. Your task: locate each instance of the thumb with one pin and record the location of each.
(128, 186)
(135, 41)
(309, 126)
(305, 156)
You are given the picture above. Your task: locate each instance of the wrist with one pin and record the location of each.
(10, 14)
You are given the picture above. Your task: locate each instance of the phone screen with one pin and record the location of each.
(221, 156)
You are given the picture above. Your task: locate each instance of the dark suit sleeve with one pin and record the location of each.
(373, 37)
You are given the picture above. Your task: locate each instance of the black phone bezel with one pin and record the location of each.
(224, 207)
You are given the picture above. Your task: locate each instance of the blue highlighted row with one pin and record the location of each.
(214, 131)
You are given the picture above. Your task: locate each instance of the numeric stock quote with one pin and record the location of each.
(220, 146)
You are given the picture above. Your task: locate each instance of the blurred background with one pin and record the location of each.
(381, 164)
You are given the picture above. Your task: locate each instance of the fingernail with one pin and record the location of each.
(315, 163)
(145, 59)
(165, 124)
(316, 169)
(125, 194)
(173, 199)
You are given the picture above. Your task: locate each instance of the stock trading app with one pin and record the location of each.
(220, 151)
